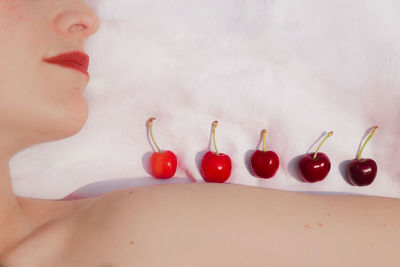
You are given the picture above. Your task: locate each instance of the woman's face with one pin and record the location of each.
(40, 101)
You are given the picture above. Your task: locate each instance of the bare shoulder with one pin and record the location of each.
(135, 204)
(230, 225)
(157, 225)
(209, 224)
(160, 225)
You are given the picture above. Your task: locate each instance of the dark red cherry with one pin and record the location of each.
(314, 167)
(362, 172)
(314, 170)
(264, 164)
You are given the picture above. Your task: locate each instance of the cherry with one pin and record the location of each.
(362, 172)
(314, 167)
(162, 163)
(215, 167)
(264, 163)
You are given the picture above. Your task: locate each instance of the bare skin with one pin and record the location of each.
(39, 102)
(163, 225)
(210, 225)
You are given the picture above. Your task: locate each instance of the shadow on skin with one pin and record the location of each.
(104, 186)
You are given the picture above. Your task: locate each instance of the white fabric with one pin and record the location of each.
(296, 68)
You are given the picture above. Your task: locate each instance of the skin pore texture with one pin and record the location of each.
(167, 225)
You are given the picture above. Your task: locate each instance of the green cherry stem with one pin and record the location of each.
(366, 141)
(264, 134)
(326, 137)
(214, 125)
(150, 124)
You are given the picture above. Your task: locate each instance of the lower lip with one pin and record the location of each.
(71, 65)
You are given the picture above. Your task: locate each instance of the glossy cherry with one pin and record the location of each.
(162, 163)
(215, 167)
(264, 163)
(362, 172)
(314, 167)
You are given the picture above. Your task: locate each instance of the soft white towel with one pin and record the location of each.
(296, 68)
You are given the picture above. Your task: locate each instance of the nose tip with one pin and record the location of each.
(80, 23)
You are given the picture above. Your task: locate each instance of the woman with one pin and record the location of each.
(42, 76)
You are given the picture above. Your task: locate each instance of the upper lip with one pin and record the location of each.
(76, 60)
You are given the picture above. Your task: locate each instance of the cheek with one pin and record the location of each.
(12, 12)
(17, 29)
(45, 106)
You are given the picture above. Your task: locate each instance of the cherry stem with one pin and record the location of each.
(366, 141)
(150, 124)
(214, 125)
(264, 134)
(326, 137)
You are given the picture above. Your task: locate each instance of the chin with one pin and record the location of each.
(68, 119)
(75, 115)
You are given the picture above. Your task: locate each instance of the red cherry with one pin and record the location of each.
(314, 167)
(162, 163)
(314, 170)
(362, 172)
(264, 163)
(215, 167)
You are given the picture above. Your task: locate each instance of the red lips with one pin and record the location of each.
(74, 60)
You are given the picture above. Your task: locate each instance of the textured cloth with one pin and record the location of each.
(296, 68)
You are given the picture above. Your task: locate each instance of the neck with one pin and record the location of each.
(13, 224)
